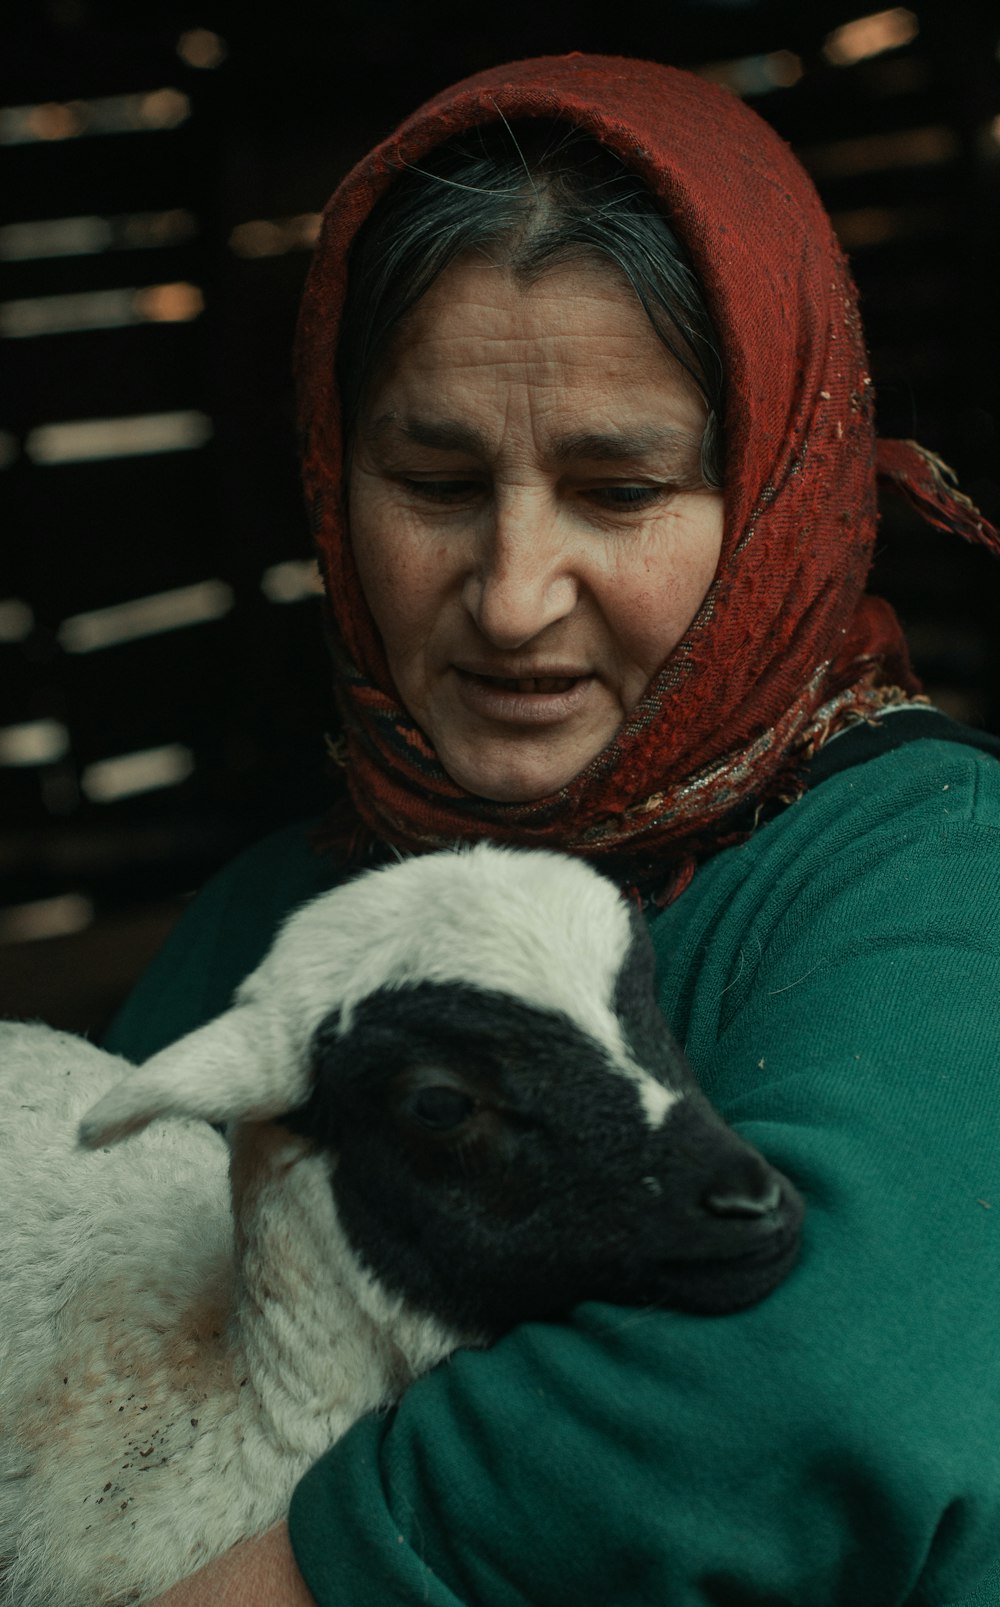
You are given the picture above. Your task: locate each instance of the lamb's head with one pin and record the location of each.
(473, 1042)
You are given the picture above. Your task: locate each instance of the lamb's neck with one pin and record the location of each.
(322, 1343)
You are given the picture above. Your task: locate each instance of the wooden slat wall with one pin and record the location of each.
(905, 148)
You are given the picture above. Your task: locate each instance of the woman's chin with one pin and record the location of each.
(517, 746)
(504, 772)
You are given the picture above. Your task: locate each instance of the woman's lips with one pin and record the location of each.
(531, 683)
(523, 699)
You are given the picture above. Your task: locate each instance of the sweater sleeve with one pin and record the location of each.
(837, 1445)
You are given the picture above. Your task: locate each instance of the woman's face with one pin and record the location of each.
(528, 518)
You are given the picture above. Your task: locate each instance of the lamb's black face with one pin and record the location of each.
(493, 1165)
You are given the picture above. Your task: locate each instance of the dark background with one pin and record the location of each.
(264, 112)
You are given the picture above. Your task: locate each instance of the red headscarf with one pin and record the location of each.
(786, 648)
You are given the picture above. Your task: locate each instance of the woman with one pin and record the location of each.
(594, 492)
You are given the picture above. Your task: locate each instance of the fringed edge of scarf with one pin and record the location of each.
(930, 486)
(860, 703)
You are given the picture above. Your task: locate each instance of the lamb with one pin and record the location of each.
(452, 1106)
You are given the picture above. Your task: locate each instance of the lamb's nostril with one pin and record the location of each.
(743, 1197)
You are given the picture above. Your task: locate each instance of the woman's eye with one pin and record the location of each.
(442, 490)
(626, 496)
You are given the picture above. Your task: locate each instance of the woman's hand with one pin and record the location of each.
(256, 1573)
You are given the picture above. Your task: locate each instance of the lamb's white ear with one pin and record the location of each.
(235, 1067)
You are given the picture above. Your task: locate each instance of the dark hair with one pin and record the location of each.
(532, 194)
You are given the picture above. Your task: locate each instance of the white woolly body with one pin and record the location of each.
(157, 1401)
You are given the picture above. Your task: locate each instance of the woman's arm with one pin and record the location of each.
(836, 982)
(256, 1573)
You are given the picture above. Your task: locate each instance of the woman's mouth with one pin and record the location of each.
(531, 683)
(523, 699)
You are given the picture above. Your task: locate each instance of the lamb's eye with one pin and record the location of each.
(440, 1108)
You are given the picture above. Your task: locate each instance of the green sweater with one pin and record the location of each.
(836, 981)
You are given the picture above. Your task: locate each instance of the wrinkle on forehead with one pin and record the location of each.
(578, 318)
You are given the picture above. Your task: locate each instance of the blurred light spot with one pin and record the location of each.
(163, 108)
(87, 440)
(54, 237)
(260, 239)
(107, 780)
(157, 109)
(909, 147)
(46, 917)
(16, 620)
(52, 121)
(33, 742)
(81, 237)
(291, 581)
(9, 449)
(146, 616)
(869, 36)
(995, 130)
(877, 225)
(272, 237)
(755, 75)
(202, 48)
(54, 315)
(99, 309)
(169, 304)
(143, 231)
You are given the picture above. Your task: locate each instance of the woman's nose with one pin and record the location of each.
(522, 580)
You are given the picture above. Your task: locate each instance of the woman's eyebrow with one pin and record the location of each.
(447, 435)
(616, 446)
(611, 446)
